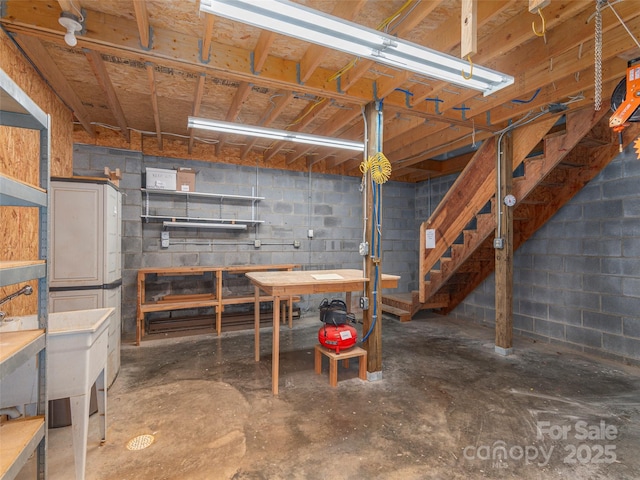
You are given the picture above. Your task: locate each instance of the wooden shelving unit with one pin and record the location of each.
(24, 436)
(215, 299)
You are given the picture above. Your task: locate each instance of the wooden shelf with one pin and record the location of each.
(17, 347)
(17, 271)
(215, 299)
(19, 439)
(13, 192)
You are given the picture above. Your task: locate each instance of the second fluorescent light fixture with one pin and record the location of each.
(273, 134)
(294, 20)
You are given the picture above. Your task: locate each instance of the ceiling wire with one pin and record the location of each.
(597, 100)
(77, 10)
(383, 26)
(524, 120)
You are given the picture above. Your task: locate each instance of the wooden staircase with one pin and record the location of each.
(464, 221)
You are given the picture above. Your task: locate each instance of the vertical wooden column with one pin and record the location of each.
(504, 255)
(373, 345)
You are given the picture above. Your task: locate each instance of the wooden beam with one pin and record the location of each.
(308, 114)
(315, 53)
(335, 123)
(418, 13)
(101, 74)
(372, 323)
(493, 48)
(469, 28)
(504, 255)
(43, 61)
(534, 5)
(282, 100)
(67, 6)
(154, 102)
(142, 19)
(261, 51)
(242, 92)
(207, 38)
(197, 101)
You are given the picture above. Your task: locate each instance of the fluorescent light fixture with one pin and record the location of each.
(294, 20)
(273, 134)
(228, 226)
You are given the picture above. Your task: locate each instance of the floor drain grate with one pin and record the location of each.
(140, 442)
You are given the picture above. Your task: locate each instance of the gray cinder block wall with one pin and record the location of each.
(294, 203)
(577, 280)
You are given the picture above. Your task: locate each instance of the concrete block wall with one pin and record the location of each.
(577, 280)
(293, 204)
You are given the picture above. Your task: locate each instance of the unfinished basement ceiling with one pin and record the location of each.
(139, 69)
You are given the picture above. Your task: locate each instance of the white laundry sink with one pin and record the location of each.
(76, 354)
(77, 350)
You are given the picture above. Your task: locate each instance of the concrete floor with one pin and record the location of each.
(446, 407)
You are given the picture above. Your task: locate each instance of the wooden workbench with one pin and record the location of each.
(214, 299)
(287, 283)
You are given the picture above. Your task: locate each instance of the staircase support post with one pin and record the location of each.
(372, 318)
(504, 248)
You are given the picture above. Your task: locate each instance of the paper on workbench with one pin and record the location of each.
(327, 276)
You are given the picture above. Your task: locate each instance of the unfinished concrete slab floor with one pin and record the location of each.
(447, 407)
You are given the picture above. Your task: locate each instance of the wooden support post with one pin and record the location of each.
(469, 28)
(534, 5)
(373, 345)
(504, 255)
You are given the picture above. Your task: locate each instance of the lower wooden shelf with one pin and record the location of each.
(216, 299)
(20, 439)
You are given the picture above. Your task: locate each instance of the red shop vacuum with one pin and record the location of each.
(335, 334)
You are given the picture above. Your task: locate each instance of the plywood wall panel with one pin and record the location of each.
(19, 158)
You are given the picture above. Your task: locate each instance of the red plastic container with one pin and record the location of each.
(337, 337)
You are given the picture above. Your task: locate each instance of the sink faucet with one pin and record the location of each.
(26, 290)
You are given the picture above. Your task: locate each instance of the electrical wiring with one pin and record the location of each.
(300, 118)
(383, 26)
(177, 135)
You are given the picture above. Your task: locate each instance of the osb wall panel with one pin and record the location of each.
(19, 158)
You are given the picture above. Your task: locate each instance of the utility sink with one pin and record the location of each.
(77, 350)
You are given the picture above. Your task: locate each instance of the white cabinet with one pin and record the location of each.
(85, 234)
(22, 436)
(86, 265)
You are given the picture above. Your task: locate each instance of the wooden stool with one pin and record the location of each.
(344, 355)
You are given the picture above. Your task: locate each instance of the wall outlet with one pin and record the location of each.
(164, 243)
(296, 244)
(364, 303)
(363, 248)
(164, 235)
(498, 243)
(257, 243)
(310, 233)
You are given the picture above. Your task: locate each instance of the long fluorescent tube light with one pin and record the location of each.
(294, 20)
(273, 134)
(229, 226)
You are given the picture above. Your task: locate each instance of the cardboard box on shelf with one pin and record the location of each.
(160, 179)
(186, 180)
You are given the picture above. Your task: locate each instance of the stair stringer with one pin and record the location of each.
(471, 191)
